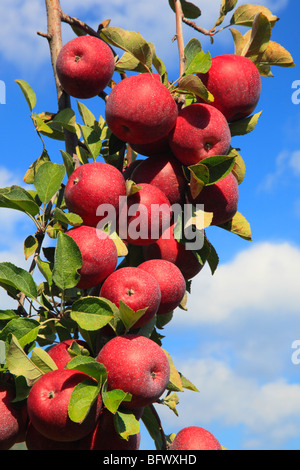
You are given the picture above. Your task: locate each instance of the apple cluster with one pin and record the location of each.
(142, 112)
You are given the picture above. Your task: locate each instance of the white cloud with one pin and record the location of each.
(21, 19)
(263, 277)
(268, 413)
(287, 166)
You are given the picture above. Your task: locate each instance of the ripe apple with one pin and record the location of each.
(235, 83)
(140, 109)
(200, 131)
(171, 282)
(34, 440)
(165, 172)
(85, 66)
(105, 436)
(145, 216)
(91, 186)
(136, 365)
(168, 248)
(99, 255)
(13, 417)
(60, 354)
(47, 406)
(195, 438)
(221, 198)
(136, 288)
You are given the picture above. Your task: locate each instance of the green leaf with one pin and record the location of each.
(68, 162)
(17, 198)
(193, 84)
(239, 167)
(218, 167)
(28, 92)
(172, 401)
(30, 173)
(45, 270)
(126, 424)
(18, 363)
(200, 63)
(188, 384)
(129, 41)
(226, 7)
(86, 115)
(275, 54)
(24, 329)
(112, 399)
(128, 316)
(67, 218)
(175, 381)
(67, 262)
(82, 399)
(244, 15)
(92, 139)
(244, 126)
(189, 10)
(92, 313)
(30, 245)
(2, 352)
(259, 37)
(42, 360)
(66, 119)
(152, 425)
(239, 226)
(88, 365)
(18, 278)
(48, 180)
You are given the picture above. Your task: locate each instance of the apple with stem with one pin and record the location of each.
(93, 189)
(201, 131)
(136, 365)
(136, 288)
(48, 402)
(235, 83)
(85, 66)
(140, 109)
(99, 255)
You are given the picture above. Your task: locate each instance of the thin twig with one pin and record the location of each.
(192, 24)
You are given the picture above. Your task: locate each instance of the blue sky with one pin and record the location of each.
(235, 340)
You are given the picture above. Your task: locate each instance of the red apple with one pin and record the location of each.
(195, 438)
(165, 172)
(145, 216)
(200, 131)
(171, 282)
(13, 417)
(128, 169)
(105, 436)
(47, 406)
(60, 354)
(99, 255)
(140, 109)
(34, 440)
(221, 198)
(85, 66)
(168, 248)
(235, 83)
(92, 186)
(136, 365)
(136, 288)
